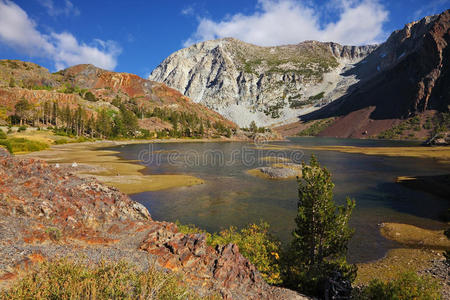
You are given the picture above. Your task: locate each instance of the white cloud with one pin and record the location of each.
(18, 31)
(68, 8)
(187, 11)
(279, 22)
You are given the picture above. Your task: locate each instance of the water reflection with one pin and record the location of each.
(232, 197)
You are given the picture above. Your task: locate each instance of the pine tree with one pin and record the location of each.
(104, 124)
(46, 112)
(201, 130)
(129, 122)
(55, 113)
(317, 258)
(23, 110)
(253, 128)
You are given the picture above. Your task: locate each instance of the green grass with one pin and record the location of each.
(2, 135)
(316, 128)
(65, 279)
(17, 145)
(407, 285)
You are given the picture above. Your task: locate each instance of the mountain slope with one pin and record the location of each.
(269, 85)
(94, 90)
(410, 76)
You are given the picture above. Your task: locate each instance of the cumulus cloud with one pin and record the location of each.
(279, 22)
(20, 32)
(67, 9)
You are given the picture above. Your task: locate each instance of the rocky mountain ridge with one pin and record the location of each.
(407, 76)
(366, 89)
(268, 85)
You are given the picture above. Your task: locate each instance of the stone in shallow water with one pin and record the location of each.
(4, 152)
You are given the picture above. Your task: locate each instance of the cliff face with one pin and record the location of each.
(405, 76)
(269, 85)
(47, 213)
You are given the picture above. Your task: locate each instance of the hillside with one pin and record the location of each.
(268, 85)
(404, 89)
(78, 97)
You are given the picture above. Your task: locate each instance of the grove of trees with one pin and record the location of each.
(111, 123)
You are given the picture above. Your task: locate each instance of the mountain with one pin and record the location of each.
(157, 107)
(405, 80)
(268, 85)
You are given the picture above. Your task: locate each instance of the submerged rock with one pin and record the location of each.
(278, 171)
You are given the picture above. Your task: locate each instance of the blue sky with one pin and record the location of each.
(135, 36)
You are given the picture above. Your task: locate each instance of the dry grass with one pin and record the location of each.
(441, 154)
(72, 280)
(396, 261)
(423, 246)
(111, 170)
(275, 159)
(414, 236)
(258, 173)
(133, 184)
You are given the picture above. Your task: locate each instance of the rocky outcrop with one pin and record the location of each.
(405, 76)
(268, 85)
(47, 213)
(222, 269)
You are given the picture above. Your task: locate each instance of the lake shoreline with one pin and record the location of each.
(91, 159)
(130, 179)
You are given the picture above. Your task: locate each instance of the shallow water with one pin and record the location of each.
(232, 197)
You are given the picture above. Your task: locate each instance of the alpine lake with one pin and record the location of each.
(232, 197)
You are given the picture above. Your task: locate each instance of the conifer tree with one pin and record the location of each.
(253, 128)
(317, 258)
(23, 110)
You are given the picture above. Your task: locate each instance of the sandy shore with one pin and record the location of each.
(419, 247)
(441, 153)
(93, 160)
